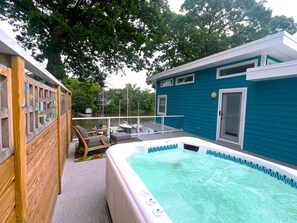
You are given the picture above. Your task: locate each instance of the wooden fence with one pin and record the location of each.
(35, 128)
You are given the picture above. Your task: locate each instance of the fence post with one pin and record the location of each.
(19, 136)
(71, 134)
(108, 126)
(59, 138)
(67, 123)
(138, 123)
(162, 122)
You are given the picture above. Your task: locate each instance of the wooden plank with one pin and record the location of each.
(19, 139)
(6, 173)
(7, 201)
(63, 140)
(70, 119)
(41, 185)
(11, 217)
(42, 175)
(59, 138)
(45, 210)
(67, 124)
(34, 146)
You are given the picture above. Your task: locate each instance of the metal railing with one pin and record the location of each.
(142, 125)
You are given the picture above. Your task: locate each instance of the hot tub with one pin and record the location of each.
(129, 199)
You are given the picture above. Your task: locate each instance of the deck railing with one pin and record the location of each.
(141, 125)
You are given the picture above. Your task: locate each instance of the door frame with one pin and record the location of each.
(243, 91)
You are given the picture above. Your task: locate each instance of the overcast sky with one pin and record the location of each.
(279, 7)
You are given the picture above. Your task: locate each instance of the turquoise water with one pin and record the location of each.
(193, 187)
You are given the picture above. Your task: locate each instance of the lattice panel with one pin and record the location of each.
(41, 106)
(63, 103)
(5, 113)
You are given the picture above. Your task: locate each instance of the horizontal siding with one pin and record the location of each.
(7, 191)
(63, 140)
(42, 175)
(271, 112)
(271, 119)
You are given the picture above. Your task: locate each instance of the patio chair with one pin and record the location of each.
(90, 143)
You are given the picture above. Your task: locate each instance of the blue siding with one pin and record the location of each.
(271, 112)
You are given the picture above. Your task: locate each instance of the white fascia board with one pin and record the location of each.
(260, 46)
(290, 41)
(273, 72)
(12, 48)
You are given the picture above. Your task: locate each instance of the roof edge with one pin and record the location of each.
(227, 54)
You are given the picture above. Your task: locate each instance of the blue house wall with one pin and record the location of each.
(271, 111)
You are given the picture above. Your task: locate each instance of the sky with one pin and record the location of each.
(279, 7)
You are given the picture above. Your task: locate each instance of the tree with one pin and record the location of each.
(210, 26)
(145, 98)
(88, 38)
(83, 94)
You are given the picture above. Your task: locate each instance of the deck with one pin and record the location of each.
(83, 187)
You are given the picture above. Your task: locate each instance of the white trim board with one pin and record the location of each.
(273, 72)
(242, 116)
(282, 42)
(255, 61)
(162, 113)
(182, 83)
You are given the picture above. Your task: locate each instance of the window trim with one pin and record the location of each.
(158, 112)
(255, 61)
(182, 83)
(271, 61)
(171, 79)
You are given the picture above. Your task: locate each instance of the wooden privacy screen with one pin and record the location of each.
(32, 129)
(41, 106)
(5, 114)
(42, 180)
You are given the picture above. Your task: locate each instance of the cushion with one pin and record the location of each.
(121, 136)
(82, 131)
(97, 141)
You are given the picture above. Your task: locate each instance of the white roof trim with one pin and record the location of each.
(12, 48)
(273, 72)
(260, 45)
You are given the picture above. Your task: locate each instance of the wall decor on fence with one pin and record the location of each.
(40, 106)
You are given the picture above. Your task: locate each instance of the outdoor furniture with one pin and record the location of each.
(101, 130)
(120, 137)
(90, 143)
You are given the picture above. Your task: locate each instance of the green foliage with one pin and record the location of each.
(211, 26)
(145, 98)
(83, 94)
(93, 38)
(88, 38)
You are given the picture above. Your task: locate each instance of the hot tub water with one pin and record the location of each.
(194, 187)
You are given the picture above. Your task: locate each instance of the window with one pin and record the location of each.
(187, 79)
(162, 104)
(166, 83)
(236, 69)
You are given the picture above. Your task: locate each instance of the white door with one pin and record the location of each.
(231, 115)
